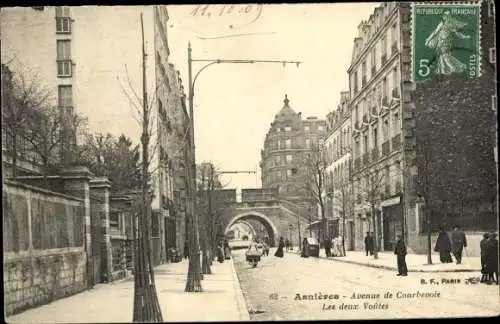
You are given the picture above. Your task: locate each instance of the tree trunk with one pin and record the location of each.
(14, 154)
(375, 233)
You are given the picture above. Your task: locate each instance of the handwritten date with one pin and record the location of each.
(210, 10)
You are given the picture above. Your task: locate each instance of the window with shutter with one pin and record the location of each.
(63, 20)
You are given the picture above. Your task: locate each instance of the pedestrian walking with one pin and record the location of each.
(220, 252)
(279, 252)
(368, 244)
(492, 258)
(483, 246)
(328, 247)
(400, 252)
(443, 246)
(459, 242)
(287, 245)
(340, 247)
(227, 250)
(304, 253)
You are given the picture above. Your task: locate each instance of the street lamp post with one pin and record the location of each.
(192, 82)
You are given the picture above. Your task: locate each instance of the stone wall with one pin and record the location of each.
(38, 280)
(44, 246)
(418, 243)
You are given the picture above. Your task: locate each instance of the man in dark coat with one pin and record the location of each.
(443, 246)
(328, 247)
(368, 244)
(459, 242)
(484, 268)
(186, 250)
(492, 258)
(400, 252)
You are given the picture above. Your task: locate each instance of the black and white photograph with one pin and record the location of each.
(249, 162)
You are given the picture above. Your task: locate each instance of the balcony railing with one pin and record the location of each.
(396, 142)
(398, 187)
(385, 101)
(395, 93)
(365, 158)
(64, 68)
(374, 154)
(386, 148)
(357, 163)
(394, 48)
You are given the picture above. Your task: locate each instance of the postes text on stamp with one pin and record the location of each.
(446, 40)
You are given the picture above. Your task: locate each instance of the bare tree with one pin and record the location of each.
(22, 95)
(315, 184)
(44, 129)
(372, 190)
(146, 305)
(342, 195)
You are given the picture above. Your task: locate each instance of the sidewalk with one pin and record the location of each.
(415, 262)
(221, 300)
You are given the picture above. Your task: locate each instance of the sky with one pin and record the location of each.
(234, 104)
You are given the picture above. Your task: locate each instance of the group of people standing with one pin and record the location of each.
(445, 246)
(223, 251)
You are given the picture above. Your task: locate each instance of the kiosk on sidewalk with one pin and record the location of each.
(313, 247)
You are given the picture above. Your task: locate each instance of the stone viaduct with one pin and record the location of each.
(280, 218)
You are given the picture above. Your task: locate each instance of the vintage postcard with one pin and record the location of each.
(249, 162)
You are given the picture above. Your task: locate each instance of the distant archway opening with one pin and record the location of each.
(245, 224)
(271, 229)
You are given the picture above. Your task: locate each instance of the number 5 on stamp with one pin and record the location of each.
(445, 40)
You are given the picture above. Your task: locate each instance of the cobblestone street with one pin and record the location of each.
(270, 291)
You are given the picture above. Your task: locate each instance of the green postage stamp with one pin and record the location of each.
(446, 39)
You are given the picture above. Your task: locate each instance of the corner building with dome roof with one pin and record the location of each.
(282, 165)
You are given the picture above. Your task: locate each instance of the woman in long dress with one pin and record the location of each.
(304, 253)
(442, 39)
(220, 252)
(279, 252)
(443, 246)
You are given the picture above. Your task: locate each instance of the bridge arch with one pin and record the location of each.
(272, 230)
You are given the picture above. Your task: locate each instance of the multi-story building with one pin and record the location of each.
(62, 48)
(450, 134)
(283, 157)
(338, 185)
(396, 123)
(376, 118)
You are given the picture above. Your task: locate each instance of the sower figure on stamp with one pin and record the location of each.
(459, 242)
(443, 246)
(368, 244)
(442, 40)
(400, 252)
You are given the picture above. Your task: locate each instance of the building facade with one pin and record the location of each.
(451, 149)
(58, 47)
(338, 189)
(396, 123)
(376, 121)
(282, 164)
